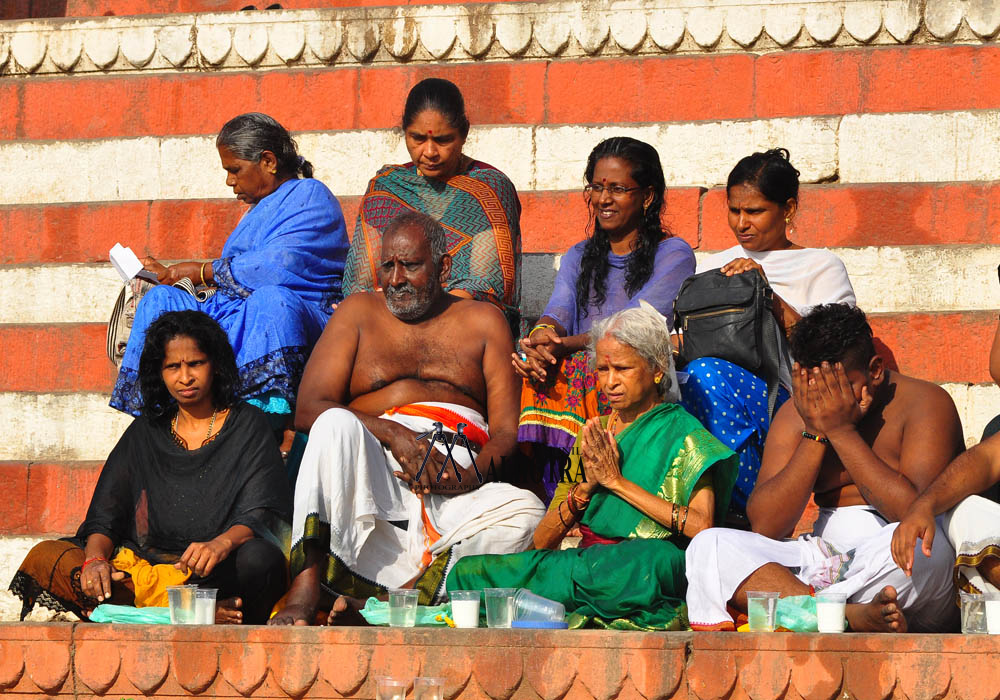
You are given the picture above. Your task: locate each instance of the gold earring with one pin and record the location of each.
(788, 219)
(656, 380)
(275, 172)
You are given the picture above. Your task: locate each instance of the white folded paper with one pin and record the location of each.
(127, 265)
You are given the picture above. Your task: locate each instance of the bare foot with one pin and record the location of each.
(294, 614)
(229, 611)
(881, 614)
(346, 611)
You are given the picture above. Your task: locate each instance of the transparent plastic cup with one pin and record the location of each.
(831, 612)
(429, 688)
(390, 688)
(529, 607)
(974, 619)
(204, 606)
(403, 607)
(181, 600)
(761, 608)
(992, 601)
(499, 606)
(465, 608)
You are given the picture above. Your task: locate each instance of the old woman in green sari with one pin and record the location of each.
(642, 482)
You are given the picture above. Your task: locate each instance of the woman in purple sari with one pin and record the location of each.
(628, 256)
(277, 278)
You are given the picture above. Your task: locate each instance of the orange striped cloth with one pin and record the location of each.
(449, 419)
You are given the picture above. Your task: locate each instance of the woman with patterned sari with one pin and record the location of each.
(628, 256)
(476, 203)
(647, 479)
(277, 279)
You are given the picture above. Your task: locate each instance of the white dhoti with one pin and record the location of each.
(973, 528)
(346, 482)
(848, 552)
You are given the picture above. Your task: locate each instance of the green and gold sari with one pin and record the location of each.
(638, 583)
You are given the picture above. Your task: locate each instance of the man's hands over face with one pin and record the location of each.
(825, 399)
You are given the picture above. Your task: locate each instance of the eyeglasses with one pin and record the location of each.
(614, 190)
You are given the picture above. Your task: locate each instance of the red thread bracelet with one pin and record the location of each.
(91, 561)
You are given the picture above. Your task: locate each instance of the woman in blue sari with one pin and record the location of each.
(277, 278)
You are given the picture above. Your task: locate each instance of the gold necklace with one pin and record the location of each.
(211, 425)
(612, 422)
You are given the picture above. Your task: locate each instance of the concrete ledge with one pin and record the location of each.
(494, 31)
(82, 660)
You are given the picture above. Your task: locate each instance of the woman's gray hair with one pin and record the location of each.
(250, 134)
(428, 225)
(644, 330)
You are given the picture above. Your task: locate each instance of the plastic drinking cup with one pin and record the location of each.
(973, 613)
(992, 612)
(499, 606)
(761, 607)
(831, 609)
(390, 688)
(181, 601)
(464, 608)
(403, 607)
(529, 607)
(204, 606)
(429, 688)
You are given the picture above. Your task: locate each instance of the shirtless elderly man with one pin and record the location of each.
(369, 513)
(865, 441)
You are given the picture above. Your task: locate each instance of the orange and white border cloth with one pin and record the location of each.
(346, 480)
(848, 552)
(973, 528)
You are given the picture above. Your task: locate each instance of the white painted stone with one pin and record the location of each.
(62, 294)
(474, 29)
(561, 151)
(214, 43)
(28, 49)
(977, 405)
(176, 43)
(744, 24)
(138, 45)
(627, 24)
(325, 39)
(191, 169)
(824, 20)
(57, 427)
(783, 23)
(921, 147)
(65, 48)
(490, 145)
(666, 28)
(437, 32)
(982, 16)
(591, 29)
(346, 160)
(250, 42)
(943, 17)
(4, 49)
(862, 20)
(552, 32)
(288, 39)
(514, 31)
(901, 19)
(704, 24)
(977, 145)
(363, 39)
(101, 46)
(400, 35)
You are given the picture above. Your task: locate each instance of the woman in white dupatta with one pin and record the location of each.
(762, 200)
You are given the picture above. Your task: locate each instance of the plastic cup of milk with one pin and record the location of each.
(831, 609)
(761, 609)
(464, 608)
(992, 612)
(204, 606)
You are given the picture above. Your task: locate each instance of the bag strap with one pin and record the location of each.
(771, 346)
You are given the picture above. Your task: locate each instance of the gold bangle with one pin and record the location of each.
(539, 327)
(673, 516)
(203, 273)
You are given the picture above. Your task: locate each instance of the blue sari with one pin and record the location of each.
(278, 277)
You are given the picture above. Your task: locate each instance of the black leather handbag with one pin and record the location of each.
(731, 318)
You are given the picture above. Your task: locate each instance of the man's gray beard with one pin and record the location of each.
(418, 305)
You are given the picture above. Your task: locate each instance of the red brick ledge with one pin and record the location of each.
(80, 660)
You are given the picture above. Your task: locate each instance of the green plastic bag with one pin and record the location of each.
(797, 613)
(130, 615)
(376, 612)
